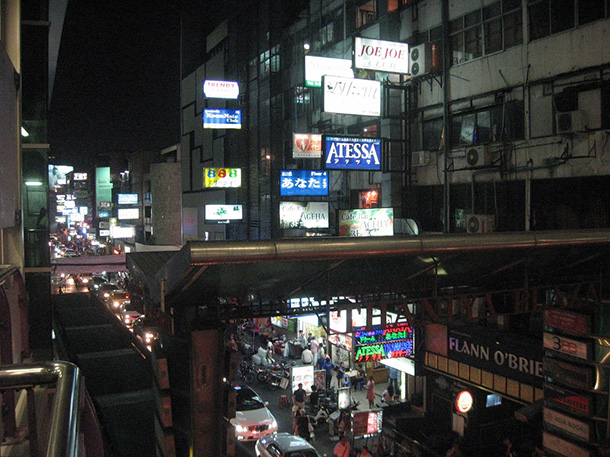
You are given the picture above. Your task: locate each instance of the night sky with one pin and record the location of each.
(117, 83)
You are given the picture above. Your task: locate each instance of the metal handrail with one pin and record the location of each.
(66, 410)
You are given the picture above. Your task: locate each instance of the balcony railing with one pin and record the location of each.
(64, 423)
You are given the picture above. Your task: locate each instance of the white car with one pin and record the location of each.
(284, 445)
(252, 418)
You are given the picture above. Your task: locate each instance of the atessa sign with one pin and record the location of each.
(395, 340)
(352, 153)
(379, 55)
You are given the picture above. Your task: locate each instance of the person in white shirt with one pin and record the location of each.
(307, 356)
(314, 346)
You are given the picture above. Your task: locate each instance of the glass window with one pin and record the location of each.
(539, 17)
(472, 19)
(493, 35)
(431, 134)
(589, 11)
(492, 11)
(472, 43)
(482, 132)
(513, 34)
(562, 15)
(457, 48)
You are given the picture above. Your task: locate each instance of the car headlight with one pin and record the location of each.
(274, 424)
(106, 295)
(241, 429)
(116, 304)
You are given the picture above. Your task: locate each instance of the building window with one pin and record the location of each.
(482, 32)
(367, 14)
(554, 16)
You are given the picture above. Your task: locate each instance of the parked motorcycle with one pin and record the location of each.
(319, 415)
(246, 372)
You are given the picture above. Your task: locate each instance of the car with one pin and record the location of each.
(146, 329)
(253, 419)
(284, 445)
(129, 314)
(95, 282)
(116, 299)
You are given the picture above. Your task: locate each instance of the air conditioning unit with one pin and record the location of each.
(420, 158)
(478, 156)
(480, 223)
(571, 121)
(420, 60)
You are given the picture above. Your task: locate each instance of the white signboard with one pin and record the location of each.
(352, 96)
(223, 213)
(220, 89)
(129, 213)
(122, 232)
(303, 215)
(104, 232)
(302, 375)
(566, 346)
(563, 447)
(316, 67)
(569, 425)
(378, 55)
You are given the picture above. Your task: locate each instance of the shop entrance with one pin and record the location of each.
(440, 412)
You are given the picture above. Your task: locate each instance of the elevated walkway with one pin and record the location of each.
(118, 372)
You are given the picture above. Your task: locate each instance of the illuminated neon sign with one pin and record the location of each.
(396, 340)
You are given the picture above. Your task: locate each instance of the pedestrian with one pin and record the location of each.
(364, 452)
(388, 394)
(328, 367)
(370, 392)
(314, 346)
(299, 396)
(508, 448)
(343, 448)
(302, 425)
(454, 451)
(307, 356)
(314, 396)
(302, 340)
(310, 338)
(295, 414)
(334, 379)
(269, 355)
(394, 375)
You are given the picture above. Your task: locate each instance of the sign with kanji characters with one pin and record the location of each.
(303, 182)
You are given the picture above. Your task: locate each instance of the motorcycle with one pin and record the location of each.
(320, 414)
(275, 380)
(246, 372)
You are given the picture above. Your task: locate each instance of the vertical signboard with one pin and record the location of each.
(103, 187)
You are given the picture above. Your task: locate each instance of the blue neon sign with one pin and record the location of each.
(221, 118)
(349, 153)
(303, 182)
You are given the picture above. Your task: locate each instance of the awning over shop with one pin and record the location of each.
(273, 271)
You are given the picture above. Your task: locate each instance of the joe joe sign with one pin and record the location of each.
(396, 340)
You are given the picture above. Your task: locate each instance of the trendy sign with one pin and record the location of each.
(351, 96)
(222, 177)
(396, 340)
(348, 153)
(366, 222)
(381, 55)
(221, 118)
(306, 146)
(220, 89)
(316, 67)
(303, 215)
(303, 182)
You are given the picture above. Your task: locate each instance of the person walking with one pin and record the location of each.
(302, 426)
(299, 396)
(394, 376)
(370, 392)
(343, 448)
(314, 346)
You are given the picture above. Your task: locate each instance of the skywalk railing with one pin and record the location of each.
(65, 415)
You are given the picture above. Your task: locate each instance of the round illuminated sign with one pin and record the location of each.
(463, 401)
